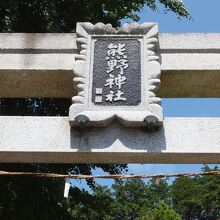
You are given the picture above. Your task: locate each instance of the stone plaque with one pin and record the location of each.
(116, 74)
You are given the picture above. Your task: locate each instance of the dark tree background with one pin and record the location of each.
(62, 15)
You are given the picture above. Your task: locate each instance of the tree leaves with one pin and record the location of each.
(197, 197)
(177, 6)
(62, 15)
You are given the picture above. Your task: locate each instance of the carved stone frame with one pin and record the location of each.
(149, 113)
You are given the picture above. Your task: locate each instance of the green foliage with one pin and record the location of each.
(133, 196)
(161, 212)
(30, 198)
(38, 198)
(186, 198)
(197, 197)
(82, 205)
(177, 7)
(34, 198)
(129, 196)
(62, 15)
(126, 200)
(209, 194)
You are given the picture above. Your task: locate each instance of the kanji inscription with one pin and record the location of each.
(116, 72)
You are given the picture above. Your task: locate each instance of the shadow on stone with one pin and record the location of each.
(117, 138)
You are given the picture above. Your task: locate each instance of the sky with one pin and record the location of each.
(206, 18)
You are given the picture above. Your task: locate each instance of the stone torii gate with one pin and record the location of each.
(41, 65)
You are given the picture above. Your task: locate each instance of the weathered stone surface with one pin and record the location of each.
(37, 42)
(23, 56)
(50, 140)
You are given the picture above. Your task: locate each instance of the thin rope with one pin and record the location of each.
(110, 176)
